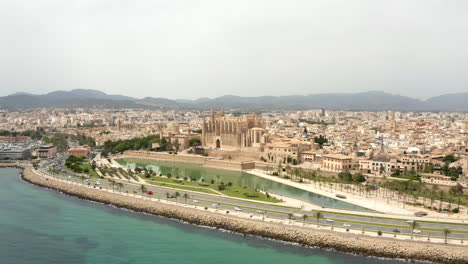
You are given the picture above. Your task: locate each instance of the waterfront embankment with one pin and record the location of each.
(205, 162)
(363, 245)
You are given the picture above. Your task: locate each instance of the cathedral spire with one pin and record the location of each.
(212, 115)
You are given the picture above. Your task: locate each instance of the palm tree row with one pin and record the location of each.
(410, 192)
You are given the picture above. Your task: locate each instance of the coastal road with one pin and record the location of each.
(328, 220)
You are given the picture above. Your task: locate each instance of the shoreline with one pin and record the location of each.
(361, 245)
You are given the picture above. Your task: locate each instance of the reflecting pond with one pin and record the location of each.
(237, 178)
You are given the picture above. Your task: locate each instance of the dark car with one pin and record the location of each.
(420, 214)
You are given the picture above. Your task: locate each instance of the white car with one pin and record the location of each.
(346, 225)
(98, 183)
(330, 220)
(417, 231)
(238, 209)
(409, 221)
(195, 201)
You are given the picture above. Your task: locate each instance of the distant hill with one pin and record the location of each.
(366, 101)
(449, 102)
(67, 99)
(371, 101)
(159, 102)
(84, 93)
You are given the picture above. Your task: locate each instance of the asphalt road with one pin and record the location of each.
(355, 221)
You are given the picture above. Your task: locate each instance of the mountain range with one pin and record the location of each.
(364, 101)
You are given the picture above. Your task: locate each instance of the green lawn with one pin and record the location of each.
(232, 191)
(84, 165)
(180, 186)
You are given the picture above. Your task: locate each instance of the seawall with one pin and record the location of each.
(362, 245)
(205, 162)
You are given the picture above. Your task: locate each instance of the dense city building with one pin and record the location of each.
(46, 151)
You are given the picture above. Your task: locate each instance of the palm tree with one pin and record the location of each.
(446, 232)
(318, 215)
(82, 179)
(167, 196)
(177, 194)
(441, 198)
(186, 196)
(432, 196)
(304, 217)
(450, 202)
(143, 189)
(113, 183)
(413, 225)
(290, 216)
(120, 185)
(280, 168)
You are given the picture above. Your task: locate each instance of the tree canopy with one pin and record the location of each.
(130, 144)
(321, 140)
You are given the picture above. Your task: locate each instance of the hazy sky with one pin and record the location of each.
(198, 48)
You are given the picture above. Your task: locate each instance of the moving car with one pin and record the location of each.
(238, 209)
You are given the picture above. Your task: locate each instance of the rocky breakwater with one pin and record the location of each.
(362, 245)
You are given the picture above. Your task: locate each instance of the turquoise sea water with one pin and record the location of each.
(43, 226)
